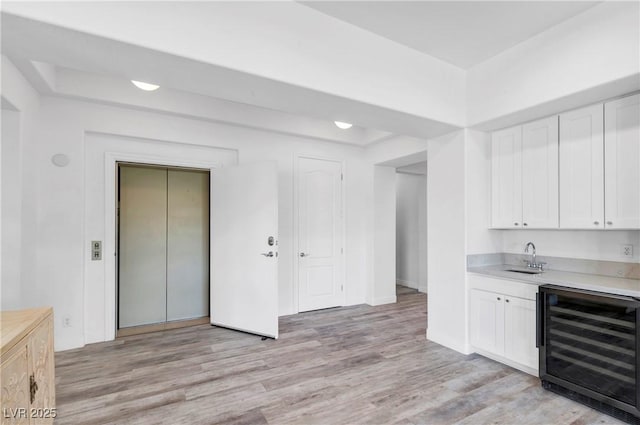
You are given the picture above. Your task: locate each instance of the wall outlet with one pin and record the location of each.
(66, 322)
(627, 250)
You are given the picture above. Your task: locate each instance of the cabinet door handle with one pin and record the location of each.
(515, 224)
(33, 388)
(609, 223)
(524, 224)
(507, 299)
(498, 298)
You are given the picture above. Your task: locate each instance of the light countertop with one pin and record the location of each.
(590, 282)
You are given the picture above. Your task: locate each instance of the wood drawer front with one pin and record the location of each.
(27, 370)
(41, 366)
(14, 380)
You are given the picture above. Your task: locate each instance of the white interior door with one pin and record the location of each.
(244, 267)
(319, 234)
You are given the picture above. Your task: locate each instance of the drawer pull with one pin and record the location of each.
(33, 387)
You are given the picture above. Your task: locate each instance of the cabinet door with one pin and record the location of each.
(520, 331)
(487, 321)
(622, 163)
(15, 388)
(41, 367)
(540, 174)
(506, 178)
(582, 169)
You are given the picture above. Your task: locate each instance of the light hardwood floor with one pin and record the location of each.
(365, 365)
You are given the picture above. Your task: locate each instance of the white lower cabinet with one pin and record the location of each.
(487, 321)
(520, 331)
(502, 321)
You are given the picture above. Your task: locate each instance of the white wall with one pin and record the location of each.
(60, 270)
(480, 240)
(423, 242)
(586, 244)
(18, 214)
(446, 237)
(411, 231)
(384, 236)
(592, 49)
(11, 210)
(397, 151)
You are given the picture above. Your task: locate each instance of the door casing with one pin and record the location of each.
(169, 323)
(111, 160)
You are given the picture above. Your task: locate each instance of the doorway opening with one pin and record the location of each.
(162, 247)
(411, 228)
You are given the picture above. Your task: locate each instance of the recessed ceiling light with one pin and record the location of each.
(145, 86)
(343, 125)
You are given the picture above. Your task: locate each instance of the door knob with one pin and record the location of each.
(267, 254)
(302, 254)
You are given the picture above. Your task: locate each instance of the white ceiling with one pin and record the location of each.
(28, 41)
(462, 33)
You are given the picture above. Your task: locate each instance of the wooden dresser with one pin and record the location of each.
(27, 367)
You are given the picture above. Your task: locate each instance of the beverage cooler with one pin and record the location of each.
(589, 344)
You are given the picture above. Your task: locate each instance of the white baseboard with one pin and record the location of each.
(448, 342)
(383, 300)
(506, 361)
(407, 283)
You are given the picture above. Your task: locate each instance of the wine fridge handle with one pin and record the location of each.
(539, 320)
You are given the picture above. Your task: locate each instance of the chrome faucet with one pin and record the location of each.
(532, 264)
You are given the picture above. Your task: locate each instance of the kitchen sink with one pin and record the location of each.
(525, 271)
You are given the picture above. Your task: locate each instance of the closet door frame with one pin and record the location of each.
(111, 160)
(169, 322)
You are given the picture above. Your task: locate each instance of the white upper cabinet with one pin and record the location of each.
(579, 170)
(622, 163)
(582, 169)
(540, 174)
(524, 176)
(506, 178)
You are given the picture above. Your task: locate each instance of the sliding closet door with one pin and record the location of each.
(142, 246)
(188, 244)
